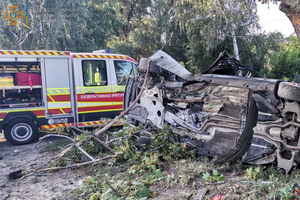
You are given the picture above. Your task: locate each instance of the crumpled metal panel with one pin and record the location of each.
(165, 61)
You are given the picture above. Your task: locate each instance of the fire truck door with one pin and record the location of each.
(57, 80)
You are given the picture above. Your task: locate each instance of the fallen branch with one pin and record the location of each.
(71, 166)
(115, 139)
(104, 144)
(96, 138)
(84, 152)
(79, 164)
(78, 129)
(54, 135)
(66, 137)
(63, 152)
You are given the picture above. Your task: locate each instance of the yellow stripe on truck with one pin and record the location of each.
(51, 98)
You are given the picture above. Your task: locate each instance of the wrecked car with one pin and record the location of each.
(222, 113)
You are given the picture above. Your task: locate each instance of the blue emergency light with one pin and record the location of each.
(104, 51)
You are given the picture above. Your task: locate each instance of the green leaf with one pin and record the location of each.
(222, 178)
(215, 173)
(143, 192)
(158, 173)
(206, 176)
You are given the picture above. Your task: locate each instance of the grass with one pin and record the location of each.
(182, 179)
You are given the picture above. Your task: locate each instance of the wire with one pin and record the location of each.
(274, 21)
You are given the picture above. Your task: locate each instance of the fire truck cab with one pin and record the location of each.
(50, 89)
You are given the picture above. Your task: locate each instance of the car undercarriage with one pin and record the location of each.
(222, 113)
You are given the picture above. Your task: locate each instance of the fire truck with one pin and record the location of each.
(50, 89)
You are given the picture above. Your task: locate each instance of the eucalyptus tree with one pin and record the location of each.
(216, 20)
(53, 24)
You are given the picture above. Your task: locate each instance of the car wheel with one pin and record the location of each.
(244, 142)
(289, 91)
(21, 131)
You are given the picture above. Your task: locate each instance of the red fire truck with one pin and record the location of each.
(50, 89)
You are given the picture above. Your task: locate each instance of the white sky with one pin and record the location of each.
(272, 19)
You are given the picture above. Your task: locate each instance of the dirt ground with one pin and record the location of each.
(56, 185)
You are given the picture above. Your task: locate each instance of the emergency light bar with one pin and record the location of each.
(103, 51)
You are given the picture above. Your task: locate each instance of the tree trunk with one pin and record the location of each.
(233, 28)
(292, 10)
(235, 45)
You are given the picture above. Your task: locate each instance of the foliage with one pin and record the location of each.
(143, 163)
(282, 191)
(90, 145)
(253, 174)
(193, 32)
(215, 176)
(285, 63)
(144, 172)
(115, 189)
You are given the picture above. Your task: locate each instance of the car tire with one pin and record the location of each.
(289, 91)
(21, 131)
(244, 141)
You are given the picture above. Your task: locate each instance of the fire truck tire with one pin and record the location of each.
(21, 131)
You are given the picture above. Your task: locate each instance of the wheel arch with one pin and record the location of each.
(15, 115)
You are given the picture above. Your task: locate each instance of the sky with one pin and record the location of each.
(272, 19)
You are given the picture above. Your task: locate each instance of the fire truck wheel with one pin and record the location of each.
(21, 131)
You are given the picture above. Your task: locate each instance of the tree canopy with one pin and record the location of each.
(193, 32)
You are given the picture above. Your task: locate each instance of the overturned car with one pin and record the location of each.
(222, 113)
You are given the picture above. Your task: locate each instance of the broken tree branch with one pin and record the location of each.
(71, 166)
(78, 164)
(104, 144)
(52, 135)
(63, 152)
(66, 137)
(96, 138)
